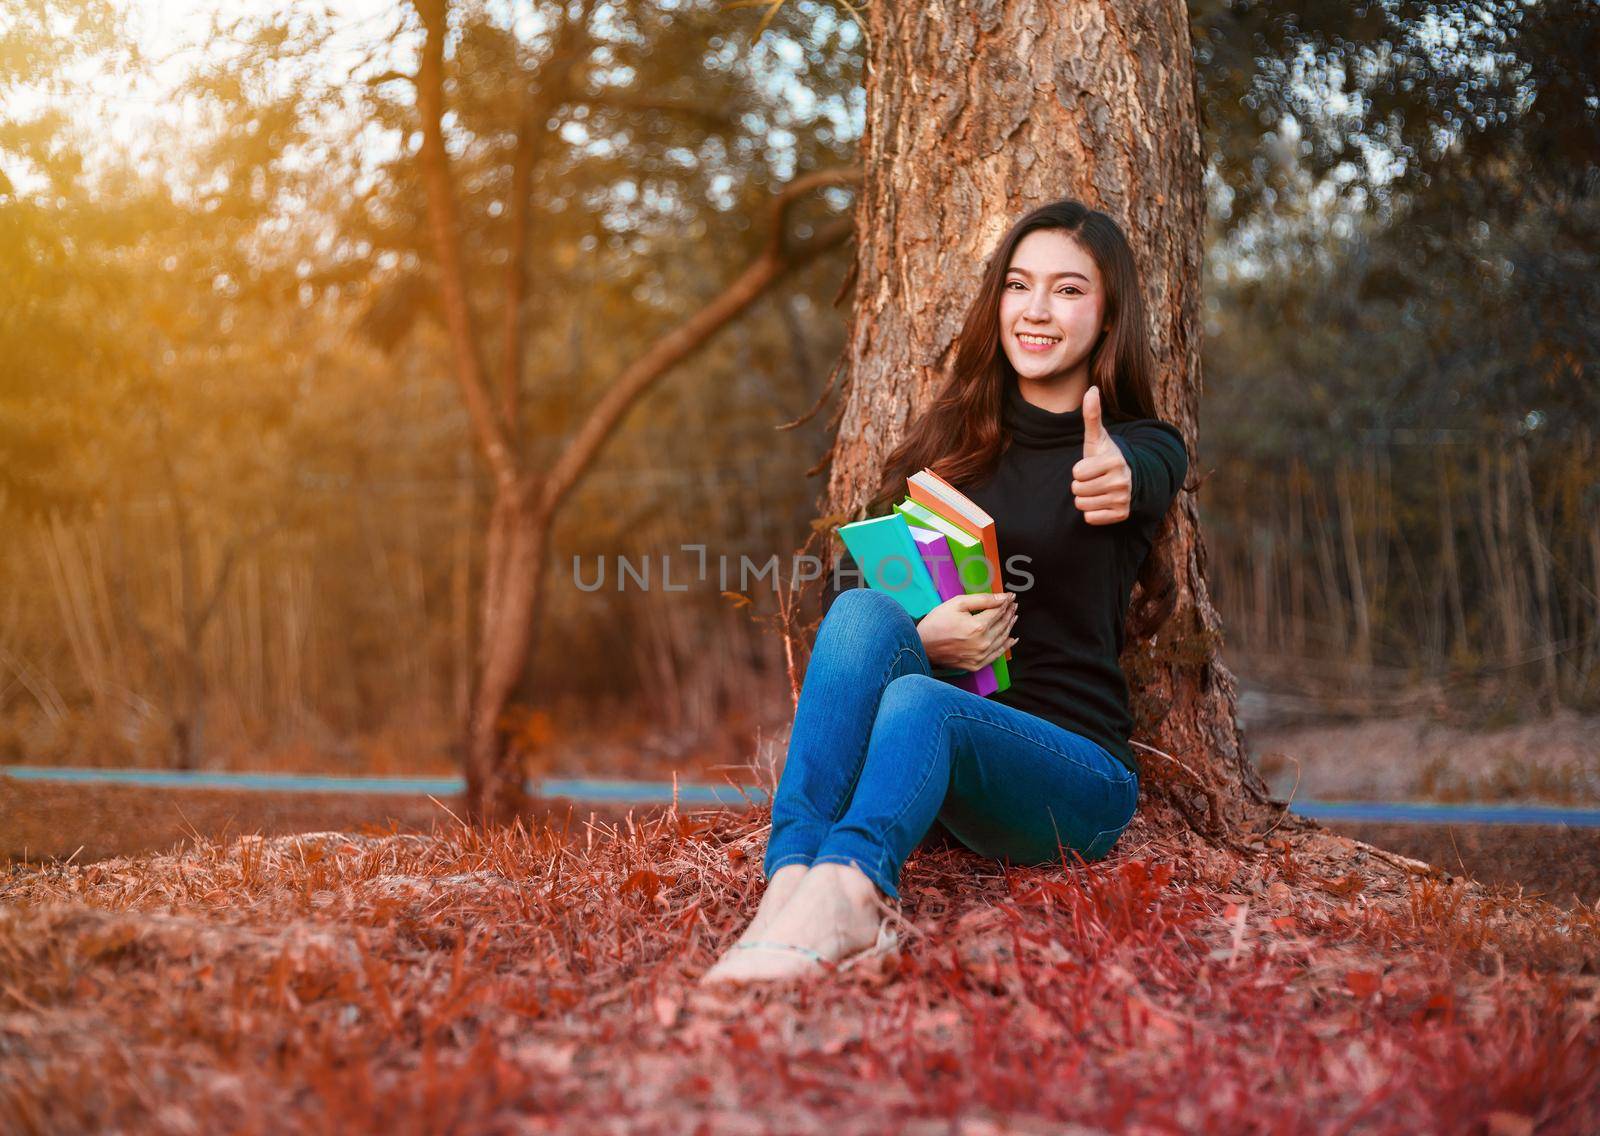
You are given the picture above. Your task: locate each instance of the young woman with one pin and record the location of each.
(1048, 423)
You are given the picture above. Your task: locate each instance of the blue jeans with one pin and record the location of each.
(880, 749)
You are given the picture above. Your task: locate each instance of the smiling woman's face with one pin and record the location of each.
(1053, 290)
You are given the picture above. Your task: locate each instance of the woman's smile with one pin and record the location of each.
(1052, 310)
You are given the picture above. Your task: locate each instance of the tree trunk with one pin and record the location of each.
(461, 595)
(1460, 645)
(1297, 574)
(1342, 476)
(975, 116)
(1549, 695)
(512, 592)
(1335, 620)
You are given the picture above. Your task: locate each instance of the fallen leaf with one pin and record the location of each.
(1362, 983)
(1345, 886)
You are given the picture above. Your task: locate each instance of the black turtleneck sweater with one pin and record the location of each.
(1070, 613)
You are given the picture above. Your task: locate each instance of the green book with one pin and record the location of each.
(972, 566)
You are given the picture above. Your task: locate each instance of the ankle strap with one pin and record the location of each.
(815, 956)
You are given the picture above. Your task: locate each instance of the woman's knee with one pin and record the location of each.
(863, 611)
(863, 603)
(920, 695)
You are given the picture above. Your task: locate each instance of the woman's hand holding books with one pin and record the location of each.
(969, 631)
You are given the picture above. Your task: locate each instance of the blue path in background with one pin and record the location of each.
(582, 789)
(598, 790)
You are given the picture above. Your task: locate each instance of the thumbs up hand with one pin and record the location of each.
(1102, 483)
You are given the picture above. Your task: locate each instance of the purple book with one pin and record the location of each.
(942, 567)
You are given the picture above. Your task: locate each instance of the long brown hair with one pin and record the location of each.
(960, 436)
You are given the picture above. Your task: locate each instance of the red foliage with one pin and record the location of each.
(517, 981)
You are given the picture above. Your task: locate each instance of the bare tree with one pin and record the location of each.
(526, 497)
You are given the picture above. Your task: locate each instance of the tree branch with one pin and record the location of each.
(555, 81)
(776, 258)
(706, 114)
(219, 582)
(497, 442)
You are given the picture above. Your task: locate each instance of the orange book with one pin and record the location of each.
(931, 491)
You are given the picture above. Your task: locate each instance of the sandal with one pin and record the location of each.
(888, 942)
(762, 945)
(822, 961)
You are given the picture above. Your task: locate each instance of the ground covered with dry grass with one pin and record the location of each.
(1554, 862)
(531, 981)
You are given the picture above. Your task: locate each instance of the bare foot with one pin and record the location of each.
(780, 888)
(835, 911)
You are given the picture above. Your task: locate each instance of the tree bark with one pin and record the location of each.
(976, 114)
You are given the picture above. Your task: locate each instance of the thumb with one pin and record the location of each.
(1094, 431)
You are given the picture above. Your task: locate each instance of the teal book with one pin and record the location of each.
(890, 561)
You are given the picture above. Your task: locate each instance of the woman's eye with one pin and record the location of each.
(1069, 289)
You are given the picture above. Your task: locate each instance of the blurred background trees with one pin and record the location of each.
(1402, 338)
(238, 500)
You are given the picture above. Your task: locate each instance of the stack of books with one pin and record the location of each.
(936, 545)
